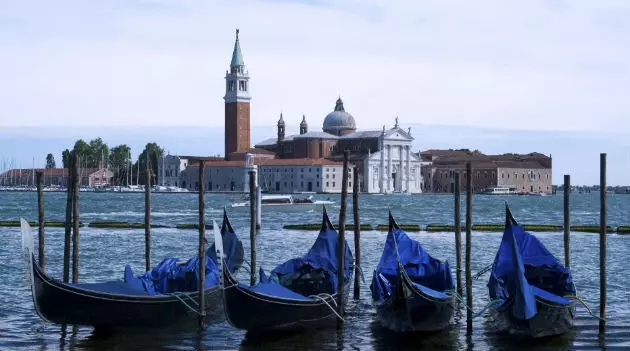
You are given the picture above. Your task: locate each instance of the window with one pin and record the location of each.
(333, 176)
(333, 184)
(327, 176)
(318, 184)
(327, 184)
(349, 184)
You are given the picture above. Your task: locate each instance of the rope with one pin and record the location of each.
(482, 272)
(478, 314)
(329, 306)
(192, 309)
(579, 299)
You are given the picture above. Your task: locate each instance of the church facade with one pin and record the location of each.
(311, 160)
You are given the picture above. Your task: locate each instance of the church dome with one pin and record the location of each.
(339, 122)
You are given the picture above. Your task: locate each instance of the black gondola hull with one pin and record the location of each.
(248, 310)
(550, 320)
(62, 303)
(411, 310)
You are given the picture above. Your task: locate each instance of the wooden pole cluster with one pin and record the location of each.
(147, 212)
(75, 218)
(602, 243)
(202, 245)
(342, 237)
(567, 220)
(68, 224)
(458, 235)
(469, 300)
(252, 224)
(40, 211)
(357, 233)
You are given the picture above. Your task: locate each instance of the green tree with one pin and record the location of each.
(83, 151)
(50, 161)
(155, 153)
(98, 152)
(119, 160)
(65, 158)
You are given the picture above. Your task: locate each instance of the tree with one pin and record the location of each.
(98, 152)
(50, 161)
(155, 153)
(119, 160)
(66, 158)
(83, 151)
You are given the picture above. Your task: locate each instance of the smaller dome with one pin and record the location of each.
(339, 122)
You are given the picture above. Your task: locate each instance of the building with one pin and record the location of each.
(528, 173)
(91, 177)
(308, 162)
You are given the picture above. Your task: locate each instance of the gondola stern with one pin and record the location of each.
(392, 222)
(326, 223)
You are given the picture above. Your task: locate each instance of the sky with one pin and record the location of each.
(552, 70)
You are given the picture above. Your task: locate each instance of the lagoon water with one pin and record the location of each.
(104, 253)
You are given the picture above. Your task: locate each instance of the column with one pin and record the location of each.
(389, 167)
(400, 169)
(381, 171)
(408, 168)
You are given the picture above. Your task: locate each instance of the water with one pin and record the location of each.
(104, 253)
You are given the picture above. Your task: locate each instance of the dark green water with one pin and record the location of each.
(104, 253)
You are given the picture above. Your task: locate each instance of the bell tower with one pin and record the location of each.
(237, 111)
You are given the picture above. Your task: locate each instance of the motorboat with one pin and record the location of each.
(283, 200)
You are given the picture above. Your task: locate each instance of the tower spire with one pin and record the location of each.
(237, 55)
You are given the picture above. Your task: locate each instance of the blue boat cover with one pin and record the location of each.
(315, 272)
(429, 274)
(322, 255)
(524, 269)
(173, 275)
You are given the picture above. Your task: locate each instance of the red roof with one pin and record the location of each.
(274, 162)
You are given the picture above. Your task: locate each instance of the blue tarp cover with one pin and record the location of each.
(423, 269)
(322, 255)
(524, 269)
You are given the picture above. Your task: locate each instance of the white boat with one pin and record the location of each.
(500, 190)
(283, 200)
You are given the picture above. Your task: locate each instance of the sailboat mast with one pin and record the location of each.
(33, 172)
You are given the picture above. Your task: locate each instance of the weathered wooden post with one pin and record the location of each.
(202, 245)
(567, 220)
(458, 235)
(252, 226)
(357, 233)
(147, 211)
(258, 207)
(342, 238)
(75, 218)
(602, 244)
(469, 193)
(68, 224)
(40, 211)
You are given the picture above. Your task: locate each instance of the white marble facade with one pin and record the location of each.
(394, 169)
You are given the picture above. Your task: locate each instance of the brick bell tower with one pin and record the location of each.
(237, 129)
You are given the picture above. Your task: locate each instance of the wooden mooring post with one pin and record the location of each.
(458, 235)
(469, 299)
(252, 225)
(258, 207)
(567, 220)
(40, 212)
(68, 224)
(342, 238)
(357, 233)
(602, 244)
(147, 212)
(75, 218)
(202, 245)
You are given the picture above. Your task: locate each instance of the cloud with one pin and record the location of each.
(539, 65)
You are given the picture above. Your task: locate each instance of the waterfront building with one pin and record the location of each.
(523, 173)
(308, 162)
(90, 177)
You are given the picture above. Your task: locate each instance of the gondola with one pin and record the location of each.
(133, 301)
(529, 288)
(412, 291)
(299, 294)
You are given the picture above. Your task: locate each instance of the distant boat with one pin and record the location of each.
(284, 200)
(530, 289)
(500, 190)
